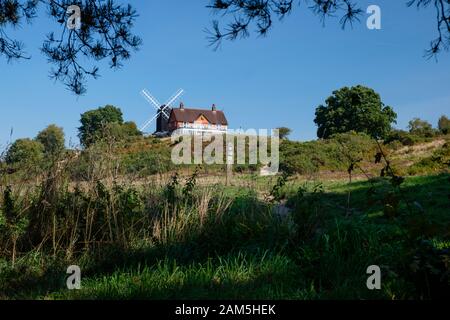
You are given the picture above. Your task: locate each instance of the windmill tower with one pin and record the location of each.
(162, 111)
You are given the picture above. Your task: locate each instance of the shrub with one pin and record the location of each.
(421, 128)
(149, 162)
(120, 132)
(331, 154)
(444, 125)
(404, 137)
(52, 138)
(438, 161)
(25, 152)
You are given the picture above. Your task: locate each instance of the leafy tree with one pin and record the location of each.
(24, 151)
(95, 121)
(420, 127)
(105, 34)
(245, 14)
(444, 125)
(105, 122)
(53, 140)
(358, 109)
(120, 131)
(284, 132)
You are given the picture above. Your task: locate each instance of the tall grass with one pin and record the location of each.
(232, 277)
(176, 239)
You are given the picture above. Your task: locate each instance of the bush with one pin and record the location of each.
(444, 125)
(404, 137)
(120, 132)
(421, 128)
(438, 161)
(52, 138)
(147, 162)
(25, 152)
(332, 154)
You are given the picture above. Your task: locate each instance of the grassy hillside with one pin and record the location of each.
(310, 233)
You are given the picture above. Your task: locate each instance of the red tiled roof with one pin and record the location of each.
(191, 115)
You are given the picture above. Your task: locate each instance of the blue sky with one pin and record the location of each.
(259, 82)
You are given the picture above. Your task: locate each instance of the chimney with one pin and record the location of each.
(181, 105)
(214, 107)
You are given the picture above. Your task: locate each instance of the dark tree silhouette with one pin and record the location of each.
(261, 15)
(105, 34)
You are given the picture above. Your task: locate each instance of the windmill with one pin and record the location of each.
(162, 111)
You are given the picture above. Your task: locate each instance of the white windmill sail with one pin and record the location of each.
(161, 109)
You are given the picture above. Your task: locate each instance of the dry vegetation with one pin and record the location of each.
(309, 233)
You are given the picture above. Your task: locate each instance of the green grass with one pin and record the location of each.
(239, 277)
(321, 252)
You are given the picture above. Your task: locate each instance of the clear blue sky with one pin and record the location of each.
(259, 82)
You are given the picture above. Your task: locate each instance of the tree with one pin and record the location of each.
(358, 109)
(104, 34)
(262, 14)
(420, 127)
(95, 121)
(53, 140)
(24, 151)
(121, 131)
(284, 132)
(105, 122)
(444, 125)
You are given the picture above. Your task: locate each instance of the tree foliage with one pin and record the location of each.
(105, 34)
(53, 140)
(444, 125)
(120, 131)
(245, 14)
(400, 136)
(332, 154)
(24, 151)
(105, 122)
(420, 127)
(284, 132)
(358, 109)
(94, 121)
